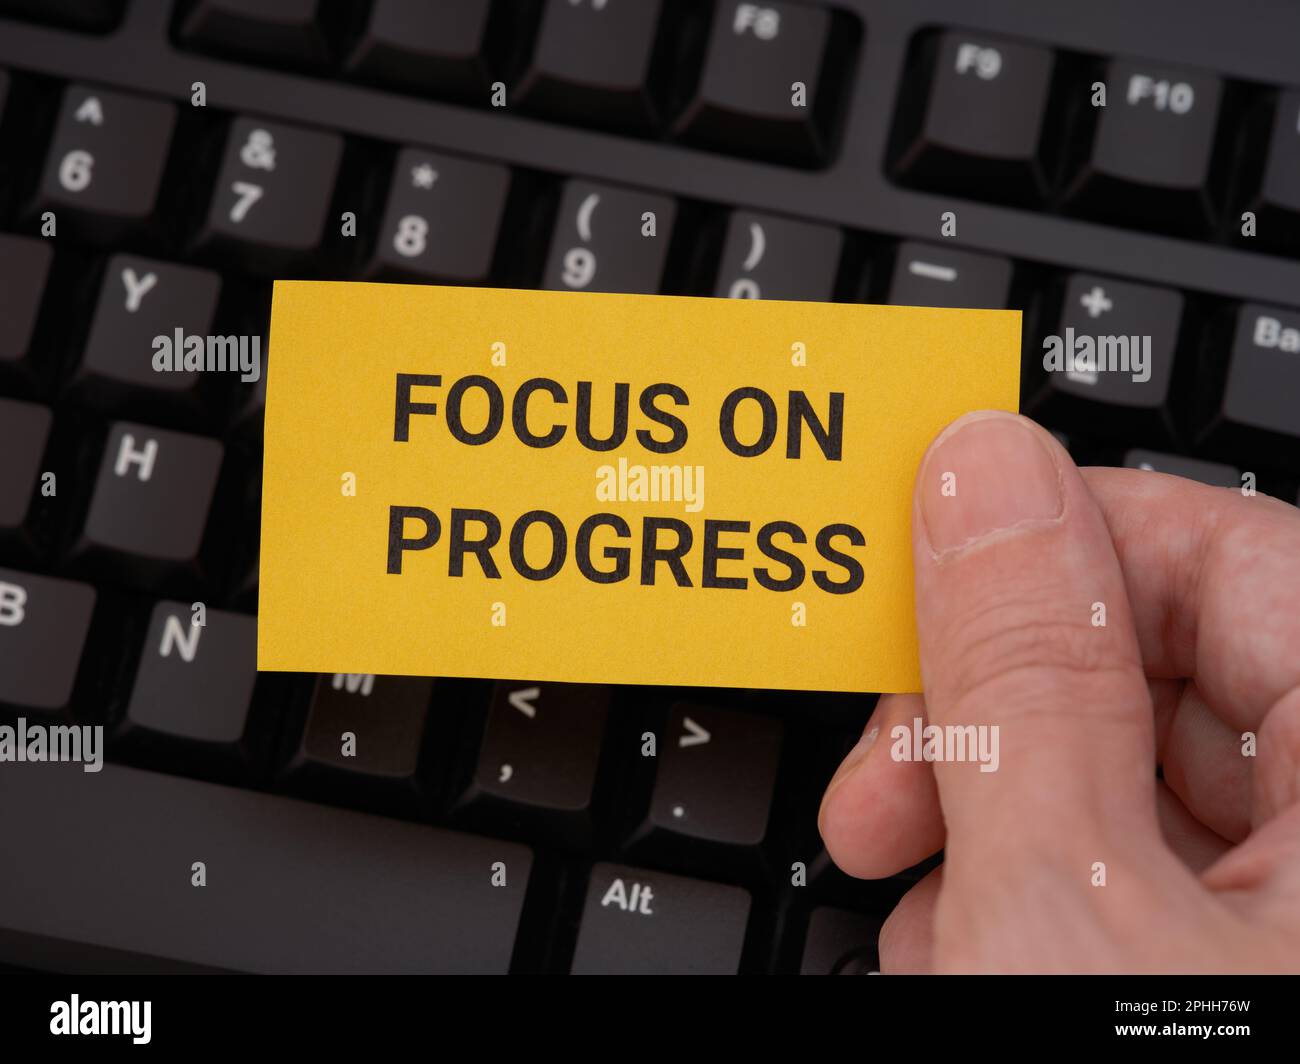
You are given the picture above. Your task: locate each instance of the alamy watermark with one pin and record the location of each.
(58, 742)
(952, 742)
(1083, 357)
(131, 1018)
(180, 353)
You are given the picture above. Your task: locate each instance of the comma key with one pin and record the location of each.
(537, 759)
(638, 922)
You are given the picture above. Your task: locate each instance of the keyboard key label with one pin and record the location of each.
(605, 488)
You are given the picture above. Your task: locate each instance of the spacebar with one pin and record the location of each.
(98, 872)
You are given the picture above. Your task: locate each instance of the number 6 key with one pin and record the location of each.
(105, 163)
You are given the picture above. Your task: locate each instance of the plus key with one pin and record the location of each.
(1108, 368)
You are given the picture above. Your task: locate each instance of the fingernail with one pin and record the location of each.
(854, 757)
(987, 472)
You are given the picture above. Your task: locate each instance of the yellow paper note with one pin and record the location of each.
(605, 488)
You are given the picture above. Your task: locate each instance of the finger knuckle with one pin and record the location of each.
(1002, 654)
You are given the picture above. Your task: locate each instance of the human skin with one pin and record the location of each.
(1201, 645)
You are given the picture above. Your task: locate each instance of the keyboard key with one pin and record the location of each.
(1213, 473)
(105, 163)
(1256, 413)
(24, 270)
(272, 193)
(362, 739)
(1277, 202)
(981, 129)
(591, 63)
(443, 219)
(744, 101)
(288, 30)
(537, 759)
(1149, 150)
(1133, 332)
(926, 275)
(140, 299)
(441, 48)
(43, 626)
(638, 922)
(292, 887)
(714, 779)
(840, 942)
(195, 681)
(150, 503)
(91, 15)
(8, 170)
(599, 244)
(24, 433)
(764, 257)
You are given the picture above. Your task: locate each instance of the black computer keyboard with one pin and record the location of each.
(948, 154)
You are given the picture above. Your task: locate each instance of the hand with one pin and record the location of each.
(1200, 645)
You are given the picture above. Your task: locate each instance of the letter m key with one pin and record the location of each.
(354, 682)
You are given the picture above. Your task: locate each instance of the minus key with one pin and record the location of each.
(926, 275)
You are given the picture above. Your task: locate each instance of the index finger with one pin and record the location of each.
(1213, 579)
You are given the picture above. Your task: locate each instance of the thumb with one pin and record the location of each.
(1014, 566)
